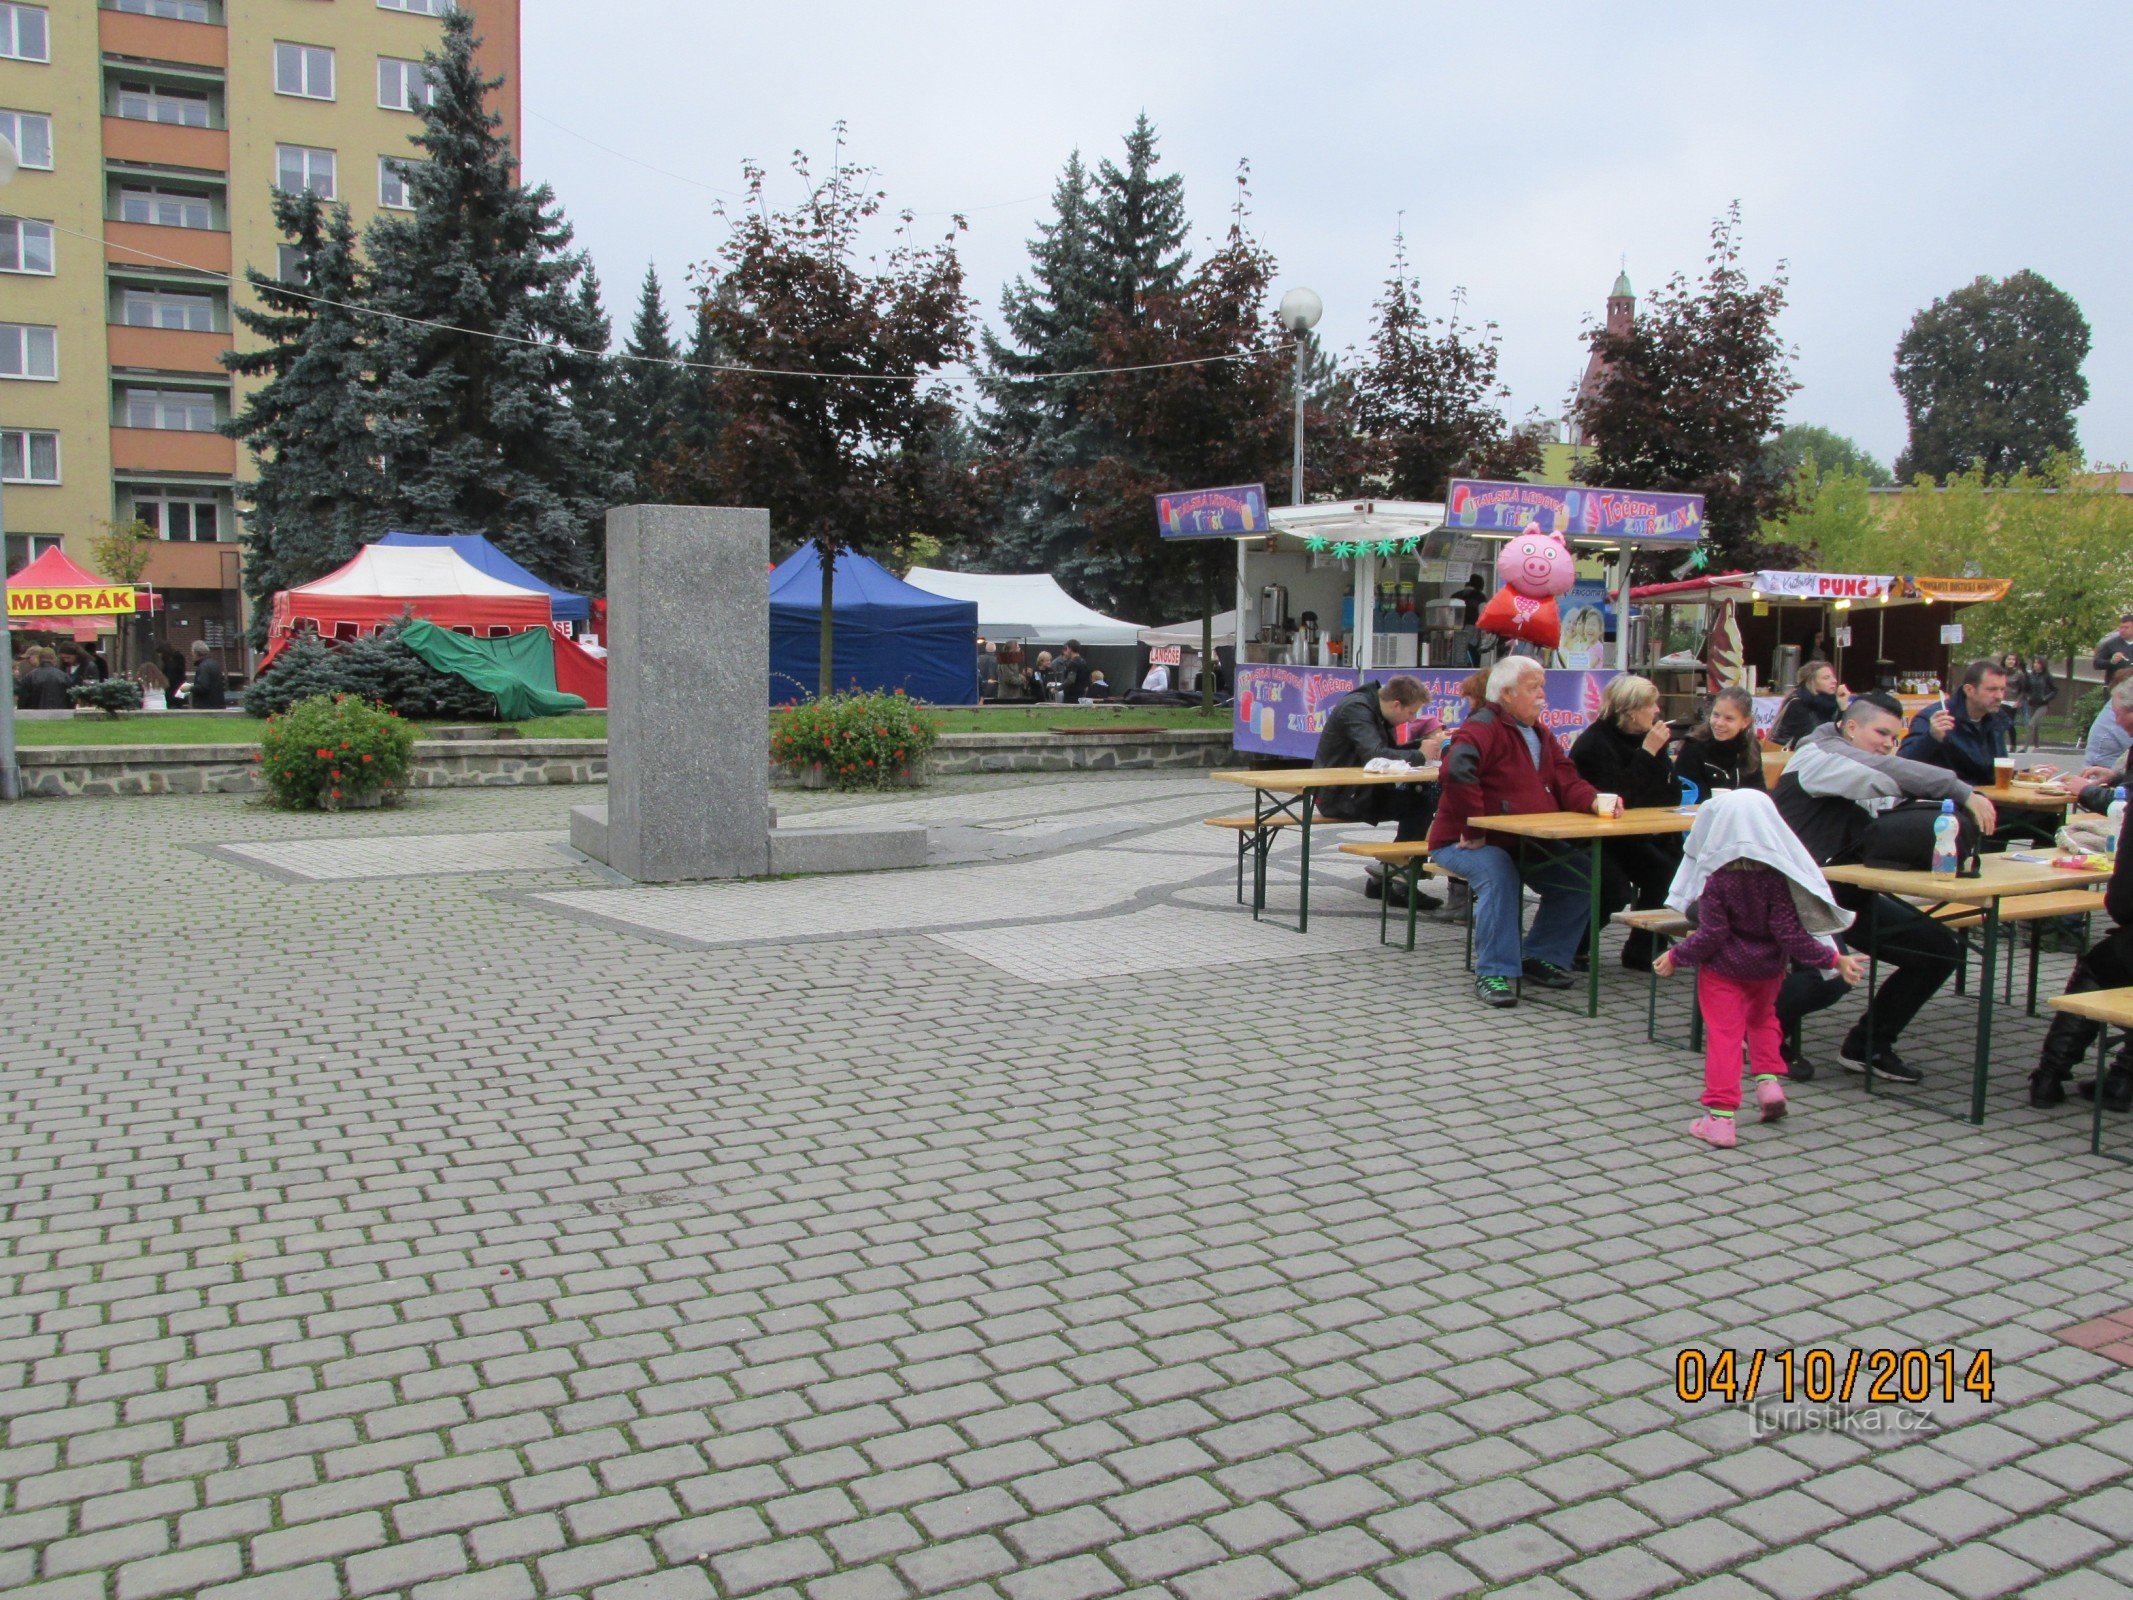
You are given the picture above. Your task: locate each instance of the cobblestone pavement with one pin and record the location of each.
(400, 1208)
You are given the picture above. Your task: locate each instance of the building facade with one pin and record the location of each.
(152, 134)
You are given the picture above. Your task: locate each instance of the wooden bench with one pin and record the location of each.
(2114, 1009)
(1403, 861)
(1665, 927)
(1250, 829)
(2033, 909)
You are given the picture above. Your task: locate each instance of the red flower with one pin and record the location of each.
(366, 761)
(870, 761)
(336, 794)
(335, 775)
(325, 755)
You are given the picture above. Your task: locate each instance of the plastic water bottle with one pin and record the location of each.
(1946, 833)
(2114, 818)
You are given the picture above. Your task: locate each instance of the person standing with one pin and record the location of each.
(1758, 903)
(1073, 673)
(44, 687)
(172, 660)
(2116, 650)
(2040, 691)
(210, 684)
(1501, 762)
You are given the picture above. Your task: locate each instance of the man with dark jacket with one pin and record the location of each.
(210, 686)
(2108, 964)
(1968, 732)
(1839, 782)
(1073, 673)
(2116, 650)
(1361, 728)
(44, 687)
(1501, 762)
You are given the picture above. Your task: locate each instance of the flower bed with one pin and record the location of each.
(854, 741)
(335, 753)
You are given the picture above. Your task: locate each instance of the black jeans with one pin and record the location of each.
(1922, 952)
(1636, 873)
(1413, 806)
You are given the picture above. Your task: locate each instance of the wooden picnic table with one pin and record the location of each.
(1573, 827)
(2026, 797)
(2114, 1009)
(1999, 878)
(1284, 795)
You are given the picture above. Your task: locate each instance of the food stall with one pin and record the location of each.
(1329, 594)
(1898, 632)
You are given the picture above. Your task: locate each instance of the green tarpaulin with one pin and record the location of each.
(518, 669)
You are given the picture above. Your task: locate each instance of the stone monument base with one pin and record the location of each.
(791, 849)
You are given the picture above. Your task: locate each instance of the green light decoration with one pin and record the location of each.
(1315, 542)
(1699, 558)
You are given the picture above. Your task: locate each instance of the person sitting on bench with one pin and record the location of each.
(1360, 729)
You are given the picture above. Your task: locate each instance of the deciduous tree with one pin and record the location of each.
(1991, 376)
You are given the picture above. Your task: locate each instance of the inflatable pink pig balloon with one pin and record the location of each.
(1535, 568)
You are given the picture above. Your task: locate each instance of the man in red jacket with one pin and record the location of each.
(1501, 762)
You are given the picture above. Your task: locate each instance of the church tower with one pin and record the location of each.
(1621, 317)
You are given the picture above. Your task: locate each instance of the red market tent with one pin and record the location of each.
(578, 671)
(385, 581)
(54, 595)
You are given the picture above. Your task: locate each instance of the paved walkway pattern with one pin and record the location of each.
(392, 1205)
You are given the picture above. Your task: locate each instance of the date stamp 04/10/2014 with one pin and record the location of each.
(1835, 1391)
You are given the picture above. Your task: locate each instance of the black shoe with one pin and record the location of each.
(1887, 1063)
(2117, 1090)
(2046, 1090)
(1797, 1067)
(1393, 891)
(1547, 975)
(1496, 992)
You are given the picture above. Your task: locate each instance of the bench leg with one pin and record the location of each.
(1414, 893)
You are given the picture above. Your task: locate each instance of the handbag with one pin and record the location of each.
(1901, 839)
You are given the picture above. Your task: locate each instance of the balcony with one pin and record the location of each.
(195, 566)
(143, 244)
(166, 349)
(199, 44)
(169, 450)
(165, 144)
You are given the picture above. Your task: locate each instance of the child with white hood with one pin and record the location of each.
(1758, 902)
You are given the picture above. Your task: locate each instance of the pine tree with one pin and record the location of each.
(317, 495)
(489, 340)
(649, 388)
(1141, 226)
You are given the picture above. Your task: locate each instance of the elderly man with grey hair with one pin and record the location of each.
(210, 687)
(1502, 762)
(2111, 734)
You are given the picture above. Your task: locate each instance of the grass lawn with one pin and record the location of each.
(179, 727)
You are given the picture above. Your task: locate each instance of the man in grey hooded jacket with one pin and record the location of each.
(1842, 777)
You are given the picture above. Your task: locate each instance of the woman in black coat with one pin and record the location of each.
(1813, 701)
(1722, 752)
(1624, 752)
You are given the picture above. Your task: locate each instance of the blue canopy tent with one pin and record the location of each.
(478, 552)
(888, 635)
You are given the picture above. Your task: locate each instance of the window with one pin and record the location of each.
(179, 515)
(176, 10)
(25, 246)
(177, 410)
(28, 351)
(166, 208)
(28, 456)
(289, 264)
(25, 33)
(165, 308)
(31, 134)
(421, 8)
(153, 102)
(298, 167)
(303, 69)
(23, 548)
(403, 85)
(392, 183)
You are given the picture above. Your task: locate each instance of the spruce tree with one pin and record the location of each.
(316, 498)
(488, 341)
(649, 390)
(1141, 225)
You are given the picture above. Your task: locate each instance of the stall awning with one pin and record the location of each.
(1824, 588)
(1025, 605)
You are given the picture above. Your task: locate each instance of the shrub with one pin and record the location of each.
(111, 696)
(330, 751)
(2086, 705)
(860, 741)
(377, 667)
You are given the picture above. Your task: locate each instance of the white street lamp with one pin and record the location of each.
(1300, 311)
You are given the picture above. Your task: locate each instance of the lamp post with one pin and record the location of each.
(10, 779)
(1300, 311)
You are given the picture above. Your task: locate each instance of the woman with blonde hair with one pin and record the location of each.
(1624, 752)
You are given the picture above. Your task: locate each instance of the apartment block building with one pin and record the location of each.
(152, 134)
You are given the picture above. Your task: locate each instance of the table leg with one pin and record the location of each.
(1985, 998)
(1414, 893)
(1303, 890)
(1592, 934)
(1260, 843)
(2103, 1051)
(1873, 980)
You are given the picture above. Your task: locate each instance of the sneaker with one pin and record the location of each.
(1887, 1063)
(1547, 975)
(1716, 1131)
(1771, 1097)
(1496, 992)
(1797, 1066)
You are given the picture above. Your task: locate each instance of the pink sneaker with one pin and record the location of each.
(1771, 1097)
(1716, 1131)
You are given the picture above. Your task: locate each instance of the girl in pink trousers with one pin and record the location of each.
(1759, 903)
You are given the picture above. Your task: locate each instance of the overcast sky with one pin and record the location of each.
(1888, 153)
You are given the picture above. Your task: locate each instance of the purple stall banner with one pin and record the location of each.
(1576, 513)
(1280, 711)
(1212, 513)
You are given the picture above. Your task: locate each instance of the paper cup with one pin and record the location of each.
(1610, 805)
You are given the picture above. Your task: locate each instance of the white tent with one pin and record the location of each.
(400, 572)
(1029, 606)
(1187, 633)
